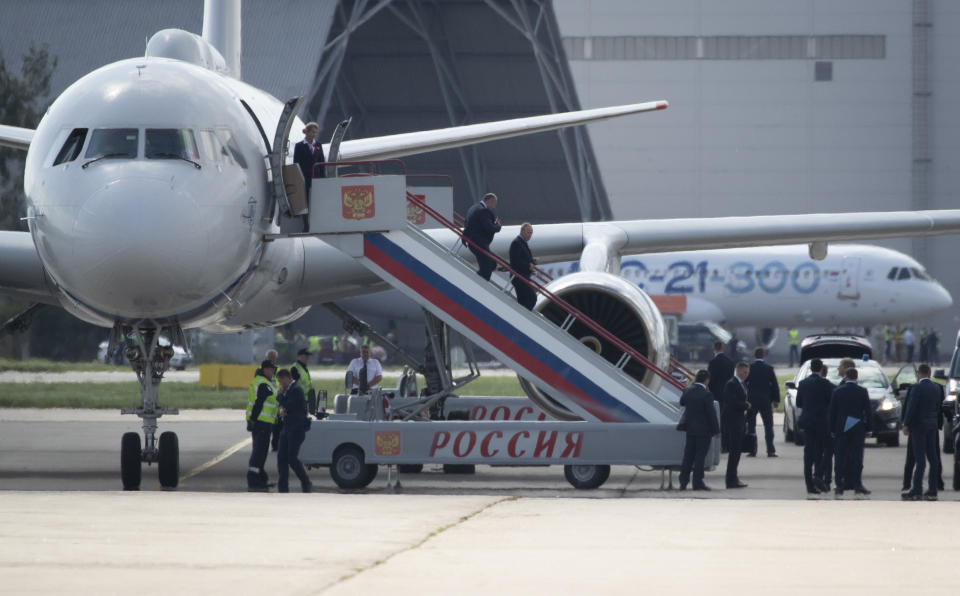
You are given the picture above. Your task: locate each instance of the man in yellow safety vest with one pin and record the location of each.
(300, 374)
(794, 346)
(261, 416)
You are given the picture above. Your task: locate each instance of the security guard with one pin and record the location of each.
(794, 346)
(261, 416)
(300, 374)
(920, 424)
(850, 423)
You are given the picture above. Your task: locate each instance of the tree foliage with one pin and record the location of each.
(23, 98)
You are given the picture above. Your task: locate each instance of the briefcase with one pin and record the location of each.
(749, 443)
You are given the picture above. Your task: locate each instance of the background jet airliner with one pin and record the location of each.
(149, 200)
(856, 285)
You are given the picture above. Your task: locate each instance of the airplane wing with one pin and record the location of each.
(21, 272)
(410, 143)
(558, 242)
(15, 137)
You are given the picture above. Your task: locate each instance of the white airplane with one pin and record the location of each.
(781, 286)
(856, 285)
(152, 188)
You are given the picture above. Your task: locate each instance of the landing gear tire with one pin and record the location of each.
(410, 468)
(130, 461)
(586, 477)
(168, 463)
(349, 468)
(459, 469)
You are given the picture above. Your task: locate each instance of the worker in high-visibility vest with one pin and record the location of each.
(314, 343)
(274, 357)
(794, 346)
(301, 374)
(261, 416)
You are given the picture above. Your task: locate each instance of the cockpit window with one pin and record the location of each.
(113, 142)
(893, 273)
(72, 146)
(170, 143)
(226, 137)
(904, 273)
(920, 274)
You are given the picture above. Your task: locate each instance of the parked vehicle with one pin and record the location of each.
(885, 398)
(952, 377)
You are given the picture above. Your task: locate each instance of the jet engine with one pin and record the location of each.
(766, 337)
(618, 306)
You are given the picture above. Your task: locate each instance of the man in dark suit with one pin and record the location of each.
(306, 153)
(701, 419)
(733, 410)
(293, 411)
(481, 225)
(910, 460)
(763, 391)
(720, 368)
(522, 261)
(850, 423)
(813, 396)
(920, 423)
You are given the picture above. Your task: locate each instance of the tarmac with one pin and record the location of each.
(66, 526)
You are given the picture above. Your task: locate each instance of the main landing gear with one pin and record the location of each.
(149, 361)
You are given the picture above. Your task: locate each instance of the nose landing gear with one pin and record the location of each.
(149, 361)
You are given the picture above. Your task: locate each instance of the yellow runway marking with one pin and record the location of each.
(209, 464)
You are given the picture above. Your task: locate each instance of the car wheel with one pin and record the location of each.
(787, 433)
(956, 474)
(892, 440)
(948, 445)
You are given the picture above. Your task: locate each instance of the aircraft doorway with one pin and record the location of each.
(849, 279)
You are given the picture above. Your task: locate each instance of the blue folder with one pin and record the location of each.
(850, 423)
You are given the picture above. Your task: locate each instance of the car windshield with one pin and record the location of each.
(955, 365)
(870, 376)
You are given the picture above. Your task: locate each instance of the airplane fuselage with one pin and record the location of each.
(153, 236)
(782, 286)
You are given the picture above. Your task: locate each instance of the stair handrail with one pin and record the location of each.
(681, 368)
(563, 304)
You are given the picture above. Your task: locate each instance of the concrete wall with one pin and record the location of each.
(761, 136)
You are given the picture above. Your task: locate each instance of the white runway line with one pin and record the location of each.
(209, 464)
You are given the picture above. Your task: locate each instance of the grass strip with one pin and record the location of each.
(182, 395)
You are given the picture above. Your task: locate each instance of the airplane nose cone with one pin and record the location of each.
(142, 248)
(942, 298)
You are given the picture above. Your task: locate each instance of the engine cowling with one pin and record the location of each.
(621, 308)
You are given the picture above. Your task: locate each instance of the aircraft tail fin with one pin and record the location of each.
(221, 28)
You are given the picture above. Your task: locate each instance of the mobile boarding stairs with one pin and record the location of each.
(377, 220)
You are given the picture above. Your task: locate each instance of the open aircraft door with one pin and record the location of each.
(849, 279)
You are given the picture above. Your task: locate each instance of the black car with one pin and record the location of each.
(885, 398)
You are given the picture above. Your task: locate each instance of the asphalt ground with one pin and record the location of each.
(66, 526)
